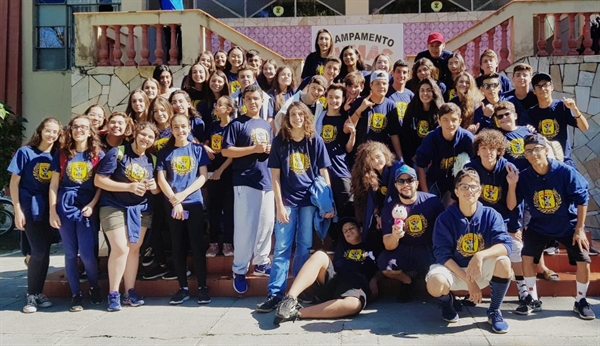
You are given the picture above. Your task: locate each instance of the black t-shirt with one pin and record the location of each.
(355, 263)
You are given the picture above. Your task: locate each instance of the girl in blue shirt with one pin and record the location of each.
(220, 185)
(160, 115)
(236, 58)
(283, 87)
(118, 129)
(296, 159)
(126, 174)
(218, 86)
(181, 172)
(73, 198)
(182, 104)
(29, 184)
(137, 106)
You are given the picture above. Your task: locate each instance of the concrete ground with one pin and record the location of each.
(233, 321)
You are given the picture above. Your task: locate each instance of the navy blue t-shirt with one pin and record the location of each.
(78, 177)
(515, 149)
(313, 65)
(197, 129)
(529, 101)
(494, 187)
(33, 166)
(440, 62)
(335, 141)
(402, 100)
(182, 168)
(250, 170)
(299, 164)
(418, 226)
(439, 154)
(552, 122)
(215, 138)
(128, 169)
(377, 123)
(232, 79)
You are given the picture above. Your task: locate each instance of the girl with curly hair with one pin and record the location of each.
(73, 199)
(29, 185)
(372, 176)
(297, 159)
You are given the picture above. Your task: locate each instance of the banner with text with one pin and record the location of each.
(371, 40)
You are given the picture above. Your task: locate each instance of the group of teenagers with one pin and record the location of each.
(428, 173)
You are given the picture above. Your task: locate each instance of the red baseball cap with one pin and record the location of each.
(435, 37)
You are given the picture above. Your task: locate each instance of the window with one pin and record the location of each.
(55, 30)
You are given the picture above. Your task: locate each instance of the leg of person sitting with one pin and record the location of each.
(335, 308)
(314, 270)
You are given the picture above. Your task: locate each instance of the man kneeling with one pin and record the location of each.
(343, 285)
(470, 246)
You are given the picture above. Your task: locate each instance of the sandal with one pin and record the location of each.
(550, 275)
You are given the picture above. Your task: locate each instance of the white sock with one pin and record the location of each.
(531, 285)
(581, 290)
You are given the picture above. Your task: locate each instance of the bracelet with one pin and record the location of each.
(577, 117)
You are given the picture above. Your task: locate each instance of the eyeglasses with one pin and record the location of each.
(469, 187)
(502, 115)
(543, 86)
(80, 127)
(488, 86)
(534, 151)
(401, 181)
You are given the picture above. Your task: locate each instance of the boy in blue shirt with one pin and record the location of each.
(408, 250)
(247, 140)
(470, 245)
(375, 117)
(490, 88)
(551, 117)
(247, 77)
(488, 62)
(557, 196)
(439, 151)
(398, 91)
(522, 82)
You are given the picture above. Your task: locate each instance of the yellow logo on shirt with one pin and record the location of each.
(447, 163)
(469, 244)
(401, 108)
(357, 255)
(547, 201)
(183, 165)
(216, 141)
(415, 225)
(549, 128)
(161, 143)
(79, 172)
(299, 163)
(516, 147)
(451, 94)
(42, 172)
(329, 133)
(491, 193)
(259, 135)
(234, 86)
(423, 129)
(383, 190)
(135, 172)
(319, 70)
(378, 122)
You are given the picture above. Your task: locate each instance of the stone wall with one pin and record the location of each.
(578, 77)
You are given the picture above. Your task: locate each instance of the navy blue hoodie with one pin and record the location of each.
(458, 238)
(553, 198)
(441, 154)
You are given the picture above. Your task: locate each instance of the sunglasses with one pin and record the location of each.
(488, 86)
(502, 115)
(401, 181)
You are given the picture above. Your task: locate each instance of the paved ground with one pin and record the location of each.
(233, 321)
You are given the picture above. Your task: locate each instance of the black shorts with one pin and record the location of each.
(338, 286)
(534, 244)
(409, 259)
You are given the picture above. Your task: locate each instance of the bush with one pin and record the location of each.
(11, 135)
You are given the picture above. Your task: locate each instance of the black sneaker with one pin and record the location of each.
(528, 305)
(584, 310)
(76, 303)
(593, 251)
(148, 257)
(287, 310)
(268, 305)
(448, 312)
(179, 297)
(96, 296)
(155, 273)
(203, 297)
(170, 275)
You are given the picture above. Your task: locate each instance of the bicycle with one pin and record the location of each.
(7, 215)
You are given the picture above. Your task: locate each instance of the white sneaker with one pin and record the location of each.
(31, 305)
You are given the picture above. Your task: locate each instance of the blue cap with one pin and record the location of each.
(405, 169)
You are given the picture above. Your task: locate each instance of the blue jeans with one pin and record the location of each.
(80, 237)
(300, 227)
